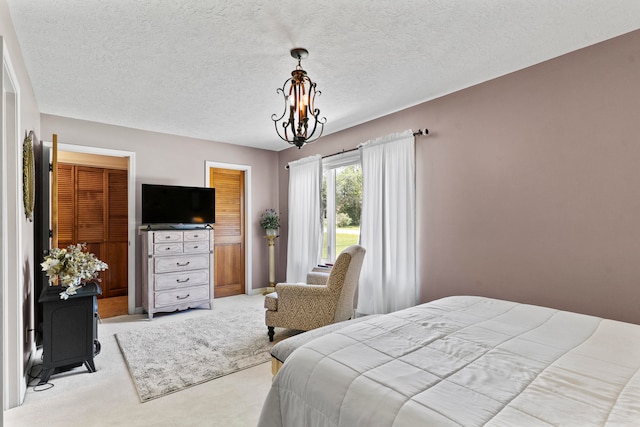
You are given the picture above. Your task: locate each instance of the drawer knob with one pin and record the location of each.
(183, 265)
(196, 247)
(185, 297)
(183, 281)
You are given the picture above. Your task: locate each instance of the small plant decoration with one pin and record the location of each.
(72, 267)
(270, 220)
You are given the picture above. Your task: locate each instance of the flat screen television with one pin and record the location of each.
(172, 204)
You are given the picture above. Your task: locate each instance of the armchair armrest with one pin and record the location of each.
(317, 278)
(298, 301)
(293, 290)
(301, 306)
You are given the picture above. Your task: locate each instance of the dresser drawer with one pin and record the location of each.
(196, 235)
(167, 236)
(182, 296)
(167, 248)
(198, 246)
(181, 280)
(177, 269)
(181, 263)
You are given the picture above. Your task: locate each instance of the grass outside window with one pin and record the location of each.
(345, 237)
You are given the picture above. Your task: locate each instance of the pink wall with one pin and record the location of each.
(19, 316)
(175, 160)
(528, 186)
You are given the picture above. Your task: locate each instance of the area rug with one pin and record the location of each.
(175, 355)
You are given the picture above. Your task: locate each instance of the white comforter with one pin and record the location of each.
(463, 361)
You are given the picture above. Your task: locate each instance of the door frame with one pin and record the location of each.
(131, 208)
(248, 237)
(13, 382)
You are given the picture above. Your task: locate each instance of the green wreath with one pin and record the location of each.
(29, 175)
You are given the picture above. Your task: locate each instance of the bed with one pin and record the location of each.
(463, 361)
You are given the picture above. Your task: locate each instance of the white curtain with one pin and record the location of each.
(387, 230)
(305, 217)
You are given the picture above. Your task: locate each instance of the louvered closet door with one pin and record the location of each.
(117, 242)
(229, 263)
(66, 205)
(92, 209)
(89, 213)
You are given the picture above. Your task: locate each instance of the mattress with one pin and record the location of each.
(463, 361)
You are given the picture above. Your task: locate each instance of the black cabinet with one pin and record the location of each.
(69, 329)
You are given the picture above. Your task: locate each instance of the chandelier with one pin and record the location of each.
(299, 121)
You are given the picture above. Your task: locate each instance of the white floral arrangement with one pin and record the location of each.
(72, 267)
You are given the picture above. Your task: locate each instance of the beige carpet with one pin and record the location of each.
(108, 397)
(171, 357)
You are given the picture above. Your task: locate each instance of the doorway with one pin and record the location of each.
(232, 254)
(123, 262)
(16, 349)
(92, 209)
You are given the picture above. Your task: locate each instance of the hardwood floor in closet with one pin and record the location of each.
(112, 307)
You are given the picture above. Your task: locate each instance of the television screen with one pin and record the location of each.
(171, 204)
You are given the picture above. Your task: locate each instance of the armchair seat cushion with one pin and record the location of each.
(271, 301)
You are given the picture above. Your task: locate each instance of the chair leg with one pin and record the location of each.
(271, 332)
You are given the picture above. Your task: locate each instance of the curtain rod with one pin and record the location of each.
(417, 133)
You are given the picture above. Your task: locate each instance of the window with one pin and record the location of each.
(342, 202)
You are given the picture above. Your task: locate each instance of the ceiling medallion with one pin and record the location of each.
(299, 126)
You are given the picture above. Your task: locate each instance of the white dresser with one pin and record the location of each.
(177, 269)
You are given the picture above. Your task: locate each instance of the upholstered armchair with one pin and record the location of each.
(326, 297)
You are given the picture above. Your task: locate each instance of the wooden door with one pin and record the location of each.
(117, 233)
(229, 244)
(92, 209)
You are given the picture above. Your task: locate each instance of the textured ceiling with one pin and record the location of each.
(210, 69)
